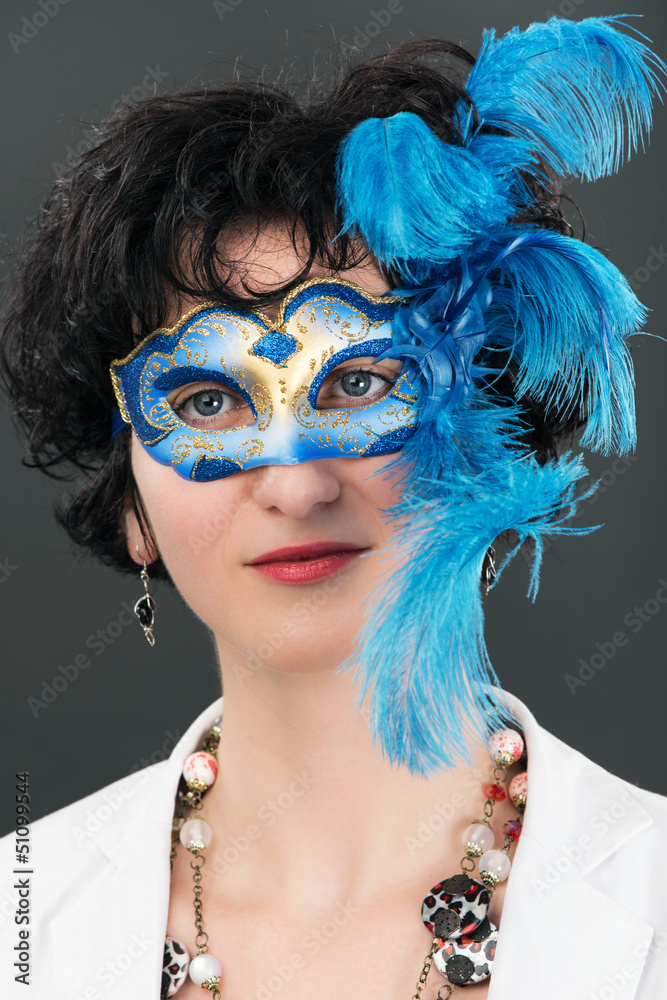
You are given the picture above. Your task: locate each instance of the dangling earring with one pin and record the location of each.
(489, 573)
(144, 608)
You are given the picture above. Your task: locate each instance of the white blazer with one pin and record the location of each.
(584, 916)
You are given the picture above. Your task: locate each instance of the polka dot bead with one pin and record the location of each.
(506, 747)
(518, 789)
(200, 770)
(468, 960)
(455, 911)
(174, 966)
(464, 895)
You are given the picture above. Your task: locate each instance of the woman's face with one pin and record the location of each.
(288, 615)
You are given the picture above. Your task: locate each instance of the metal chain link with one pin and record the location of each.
(196, 863)
(423, 976)
(192, 799)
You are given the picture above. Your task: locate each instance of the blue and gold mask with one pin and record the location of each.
(274, 414)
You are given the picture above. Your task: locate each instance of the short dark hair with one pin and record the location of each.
(174, 172)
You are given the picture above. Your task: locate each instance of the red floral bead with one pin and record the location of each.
(512, 829)
(495, 792)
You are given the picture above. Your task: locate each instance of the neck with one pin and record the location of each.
(304, 798)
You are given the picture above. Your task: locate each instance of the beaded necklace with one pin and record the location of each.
(454, 911)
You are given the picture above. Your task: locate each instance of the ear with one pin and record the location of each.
(138, 549)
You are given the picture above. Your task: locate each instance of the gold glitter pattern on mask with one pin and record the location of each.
(327, 324)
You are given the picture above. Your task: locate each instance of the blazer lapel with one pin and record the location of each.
(563, 928)
(121, 911)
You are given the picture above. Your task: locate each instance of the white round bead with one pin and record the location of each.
(203, 967)
(478, 833)
(495, 862)
(201, 767)
(506, 743)
(196, 833)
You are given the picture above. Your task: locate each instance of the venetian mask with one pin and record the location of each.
(277, 399)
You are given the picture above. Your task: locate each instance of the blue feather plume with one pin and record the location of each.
(422, 648)
(574, 98)
(560, 308)
(579, 94)
(567, 313)
(411, 195)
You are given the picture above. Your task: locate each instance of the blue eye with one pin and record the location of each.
(356, 384)
(209, 402)
(212, 403)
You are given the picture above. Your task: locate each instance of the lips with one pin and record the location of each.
(306, 564)
(298, 553)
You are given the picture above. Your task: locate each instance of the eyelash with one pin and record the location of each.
(353, 371)
(205, 421)
(198, 421)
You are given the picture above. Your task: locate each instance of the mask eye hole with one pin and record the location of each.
(211, 406)
(359, 382)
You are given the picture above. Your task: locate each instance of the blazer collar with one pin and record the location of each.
(559, 899)
(120, 913)
(556, 902)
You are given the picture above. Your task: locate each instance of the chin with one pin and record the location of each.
(288, 648)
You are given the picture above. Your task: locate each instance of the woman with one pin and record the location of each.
(226, 279)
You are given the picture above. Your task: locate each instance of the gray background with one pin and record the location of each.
(133, 701)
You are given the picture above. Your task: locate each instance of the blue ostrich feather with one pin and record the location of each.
(577, 94)
(413, 196)
(567, 312)
(422, 648)
(574, 96)
(566, 98)
(570, 345)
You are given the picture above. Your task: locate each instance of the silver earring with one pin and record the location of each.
(490, 569)
(144, 608)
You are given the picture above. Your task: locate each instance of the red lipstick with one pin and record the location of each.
(306, 563)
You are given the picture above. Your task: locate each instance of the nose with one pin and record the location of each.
(296, 490)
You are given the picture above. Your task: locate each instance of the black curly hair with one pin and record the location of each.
(162, 179)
